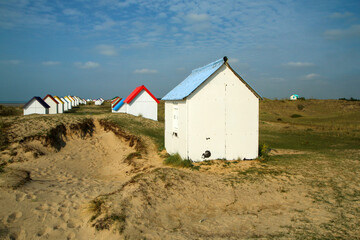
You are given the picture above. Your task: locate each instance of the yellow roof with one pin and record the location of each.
(57, 98)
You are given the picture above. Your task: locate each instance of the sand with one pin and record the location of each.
(82, 182)
(54, 204)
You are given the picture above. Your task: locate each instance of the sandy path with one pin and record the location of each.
(54, 204)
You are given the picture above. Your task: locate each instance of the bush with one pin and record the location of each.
(264, 151)
(295, 116)
(300, 107)
(176, 161)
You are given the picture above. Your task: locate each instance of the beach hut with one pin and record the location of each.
(60, 105)
(50, 100)
(66, 104)
(212, 114)
(98, 102)
(72, 101)
(140, 102)
(36, 106)
(294, 97)
(69, 102)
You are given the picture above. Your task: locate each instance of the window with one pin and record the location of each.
(175, 118)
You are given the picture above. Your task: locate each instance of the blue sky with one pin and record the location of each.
(106, 48)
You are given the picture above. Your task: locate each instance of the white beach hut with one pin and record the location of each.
(212, 114)
(36, 106)
(294, 97)
(72, 101)
(50, 100)
(60, 105)
(140, 102)
(69, 102)
(66, 104)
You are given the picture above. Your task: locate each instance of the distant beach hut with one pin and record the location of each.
(99, 102)
(60, 105)
(72, 101)
(69, 102)
(294, 97)
(36, 106)
(50, 100)
(66, 104)
(140, 102)
(212, 114)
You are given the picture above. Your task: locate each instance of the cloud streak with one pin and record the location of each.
(299, 64)
(145, 71)
(107, 50)
(87, 65)
(51, 63)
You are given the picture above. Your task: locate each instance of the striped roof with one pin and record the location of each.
(42, 102)
(51, 97)
(199, 76)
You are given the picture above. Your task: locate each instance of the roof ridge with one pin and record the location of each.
(208, 65)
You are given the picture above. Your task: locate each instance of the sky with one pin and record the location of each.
(106, 48)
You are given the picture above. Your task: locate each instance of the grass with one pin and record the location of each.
(140, 126)
(91, 109)
(175, 160)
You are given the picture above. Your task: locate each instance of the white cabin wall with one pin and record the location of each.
(207, 119)
(53, 106)
(176, 144)
(35, 108)
(143, 104)
(242, 119)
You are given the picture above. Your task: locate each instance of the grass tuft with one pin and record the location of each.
(176, 161)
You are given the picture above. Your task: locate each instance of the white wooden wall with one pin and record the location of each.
(35, 108)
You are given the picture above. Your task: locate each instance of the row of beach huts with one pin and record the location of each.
(212, 114)
(52, 104)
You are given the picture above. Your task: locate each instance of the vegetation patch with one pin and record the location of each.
(10, 111)
(176, 161)
(296, 116)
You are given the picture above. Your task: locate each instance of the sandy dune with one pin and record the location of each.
(53, 205)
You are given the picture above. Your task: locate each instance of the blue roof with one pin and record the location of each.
(194, 80)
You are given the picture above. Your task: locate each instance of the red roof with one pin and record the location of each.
(136, 92)
(51, 98)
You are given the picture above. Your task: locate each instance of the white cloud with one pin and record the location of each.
(193, 17)
(353, 31)
(87, 65)
(341, 15)
(50, 63)
(13, 62)
(311, 76)
(107, 50)
(71, 12)
(107, 24)
(145, 71)
(299, 64)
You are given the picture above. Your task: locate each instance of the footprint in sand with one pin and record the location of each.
(14, 217)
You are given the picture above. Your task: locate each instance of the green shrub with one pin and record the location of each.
(300, 107)
(264, 151)
(295, 116)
